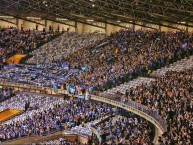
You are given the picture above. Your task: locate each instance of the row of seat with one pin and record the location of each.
(177, 66)
(184, 64)
(86, 129)
(68, 43)
(128, 85)
(38, 103)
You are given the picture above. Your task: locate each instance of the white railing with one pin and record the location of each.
(134, 107)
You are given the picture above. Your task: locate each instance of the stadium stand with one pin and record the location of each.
(129, 54)
(110, 65)
(152, 68)
(171, 96)
(6, 93)
(126, 130)
(48, 116)
(61, 47)
(15, 41)
(96, 72)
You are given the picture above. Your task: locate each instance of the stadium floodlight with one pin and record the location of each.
(34, 18)
(61, 19)
(90, 20)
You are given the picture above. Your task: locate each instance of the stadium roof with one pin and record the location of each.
(169, 13)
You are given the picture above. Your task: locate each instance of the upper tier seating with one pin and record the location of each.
(14, 41)
(39, 76)
(184, 64)
(68, 43)
(171, 97)
(130, 85)
(128, 54)
(181, 65)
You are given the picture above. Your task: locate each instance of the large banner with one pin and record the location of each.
(78, 92)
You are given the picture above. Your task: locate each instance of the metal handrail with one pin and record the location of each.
(115, 99)
(131, 105)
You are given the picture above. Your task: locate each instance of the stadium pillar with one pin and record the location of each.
(108, 29)
(19, 24)
(79, 28)
(49, 24)
(187, 28)
(46, 24)
(160, 27)
(190, 29)
(134, 26)
(76, 25)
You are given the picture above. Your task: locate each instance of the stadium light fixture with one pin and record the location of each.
(90, 20)
(7, 17)
(61, 19)
(34, 18)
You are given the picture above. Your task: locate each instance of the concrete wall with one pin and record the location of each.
(6, 24)
(190, 29)
(79, 28)
(89, 28)
(31, 26)
(62, 27)
(111, 28)
(84, 28)
(181, 27)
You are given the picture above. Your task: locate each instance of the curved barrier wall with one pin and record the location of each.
(137, 109)
(134, 107)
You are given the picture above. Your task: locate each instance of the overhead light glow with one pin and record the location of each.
(90, 20)
(34, 18)
(6, 17)
(61, 19)
(118, 21)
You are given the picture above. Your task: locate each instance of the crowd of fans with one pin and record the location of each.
(68, 43)
(5, 93)
(171, 96)
(36, 75)
(129, 54)
(14, 41)
(126, 54)
(65, 114)
(130, 130)
(37, 102)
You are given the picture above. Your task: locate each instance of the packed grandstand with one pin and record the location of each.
(118, 67)
(131, 87)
